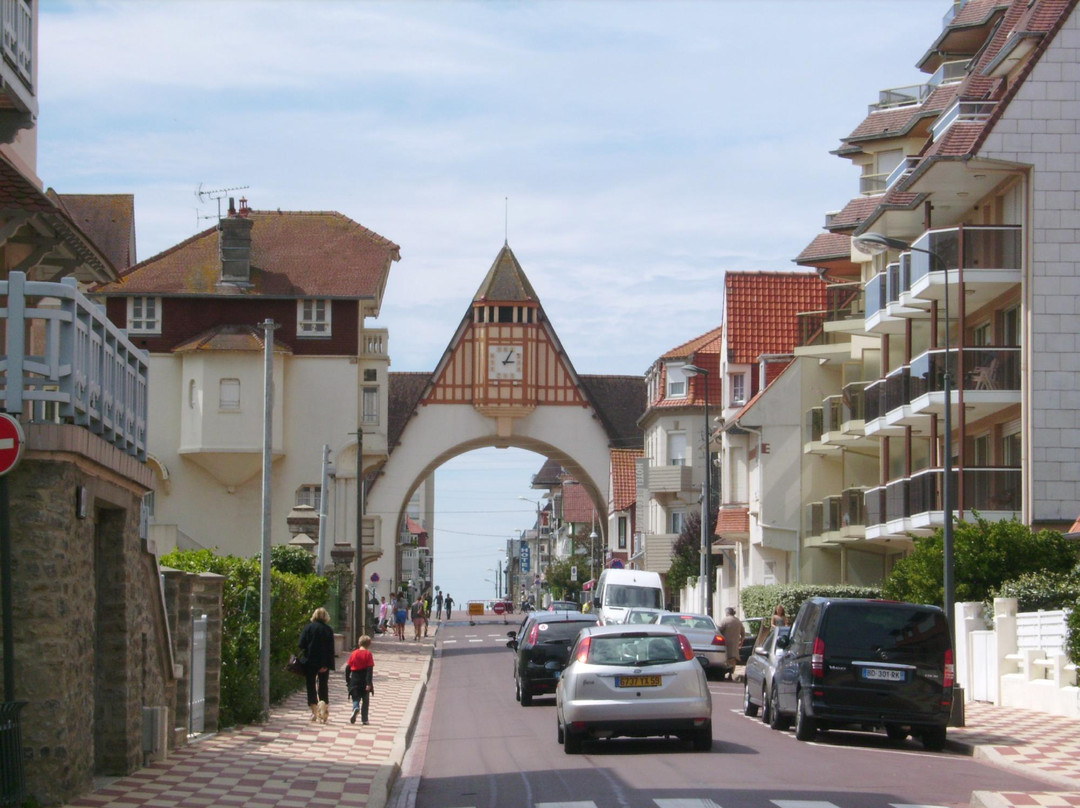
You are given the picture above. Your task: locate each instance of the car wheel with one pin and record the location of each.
(805, 726)
(526, 696)
(896, 733)
(702, 739)
(776, 719)
(933, 739)
(571, 742)
(517, 690)
(766, 712)
(560, 729)
(748, 707)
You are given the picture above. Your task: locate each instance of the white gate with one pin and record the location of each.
(198, 675)
(984, 673)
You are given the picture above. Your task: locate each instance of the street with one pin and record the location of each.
(476, 747)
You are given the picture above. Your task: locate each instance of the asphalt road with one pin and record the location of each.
(476, 747)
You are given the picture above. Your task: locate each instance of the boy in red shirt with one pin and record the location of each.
(359, 672)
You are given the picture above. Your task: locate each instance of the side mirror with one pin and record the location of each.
(783, 641)
(596, 603)
(512, 645)
(511, 634)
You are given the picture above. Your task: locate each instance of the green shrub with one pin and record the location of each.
(1035, 591)
(292, 600)
(985, 554)
(296, 560)
(1072, 638)
(761, 600)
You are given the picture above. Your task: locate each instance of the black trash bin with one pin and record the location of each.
(12, 782)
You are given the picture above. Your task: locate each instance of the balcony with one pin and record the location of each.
(912, 94)
(375, 344)
(990, 379)
(962, 111)
(19, 103)
(65, 362)
(853, 415)
(852, 513)
(891, 301)
(903, 169)
(830, 327)
(989, 261)
(814, 431)
(670, 479)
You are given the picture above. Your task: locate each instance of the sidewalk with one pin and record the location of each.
(291, 762)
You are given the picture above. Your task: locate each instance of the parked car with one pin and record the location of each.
(563, 606)
(865, 664)
(705, 638)
(753, 636)
(542, 646)
(642, 616)
(759, 673)
(632, 681)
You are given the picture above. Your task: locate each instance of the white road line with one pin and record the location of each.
(915, 805)
(578, 804)
(447, 642)
(477, 640)
(803, 804)
(693, 802)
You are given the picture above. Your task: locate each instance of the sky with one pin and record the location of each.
(629, 151)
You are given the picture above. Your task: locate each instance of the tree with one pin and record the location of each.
(985, 554)
(287, 558)
(558, 579)
(686, 552)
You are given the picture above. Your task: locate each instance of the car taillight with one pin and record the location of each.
(583, 650)
(950, 670)
(688, 652)
(718, 640)
(534, 634)
(817, 659)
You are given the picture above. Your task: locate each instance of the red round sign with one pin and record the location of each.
(498, 607)
(12, 442)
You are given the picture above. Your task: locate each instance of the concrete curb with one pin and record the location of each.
(387, 774)
(989, 799)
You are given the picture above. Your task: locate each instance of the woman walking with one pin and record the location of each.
(417, 616)
(317, 650)
(401, 614)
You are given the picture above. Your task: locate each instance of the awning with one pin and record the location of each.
(587, 586)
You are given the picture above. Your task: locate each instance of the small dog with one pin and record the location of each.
(323, 711)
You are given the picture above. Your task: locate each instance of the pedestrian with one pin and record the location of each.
(384, 613)
(731, 629)
(417, 615)
(779, 618)
(317, 651)
(427, 610)
(438, 606)
(449, 602)
(359, 675)
(401, 614)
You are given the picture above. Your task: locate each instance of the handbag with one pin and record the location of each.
(294, 665)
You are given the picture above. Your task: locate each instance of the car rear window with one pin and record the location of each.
(688, 621)
(635, 649)
(562, 630)
(642, 617)
(892, 627)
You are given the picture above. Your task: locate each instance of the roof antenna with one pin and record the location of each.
(506, 221)
(218, 194)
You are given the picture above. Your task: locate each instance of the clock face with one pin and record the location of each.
(504, 362)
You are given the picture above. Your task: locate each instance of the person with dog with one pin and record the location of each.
(317, 652)
(359, 675)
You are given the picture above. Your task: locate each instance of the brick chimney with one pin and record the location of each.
(234, 245)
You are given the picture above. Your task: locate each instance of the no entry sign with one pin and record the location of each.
(12, 442)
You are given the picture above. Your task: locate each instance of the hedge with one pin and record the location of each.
(1035, 591)
(293, 599)
(761, 600)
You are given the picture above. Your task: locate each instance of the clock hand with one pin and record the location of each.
(509, 357)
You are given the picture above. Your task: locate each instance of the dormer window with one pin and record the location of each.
(738, 389)
(313, 318)
(144, 315)
(676, 381)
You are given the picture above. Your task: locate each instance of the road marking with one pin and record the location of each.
(477, 640)
(578, 804)
(695, 802)
(447, 642)
(803, 804)
(914, 805)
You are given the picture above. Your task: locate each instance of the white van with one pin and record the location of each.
(618, 591)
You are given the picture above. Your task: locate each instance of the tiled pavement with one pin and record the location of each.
(291, 762)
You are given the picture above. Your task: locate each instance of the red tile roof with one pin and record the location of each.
(576, 505)
(293, 254)
(733, 520)
(624, 478)
(414, 527)
(230, 338)
(896, 121)
(709, 342)
(826, 247)
(703, 351)
(760, 311)
(854, 212)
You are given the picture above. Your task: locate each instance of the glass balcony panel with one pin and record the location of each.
(992, 489)
(949, 72)
(991, 368)
(903, 168)
(812, 519)
(870, 184)
(897, 390)
(896, 500)
(895, 285)
(992, 248)
(875, 399)
(831, 512)
(875, 294)
(875, 506)
(813, 425)
(852, 507)
(854, 401)
(833, 413)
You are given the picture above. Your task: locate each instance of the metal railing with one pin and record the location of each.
(962, 111)
(843, 301)
(986, 247)
(17, 22)
(84, 370)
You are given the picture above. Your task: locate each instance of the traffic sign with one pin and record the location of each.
(498, 607)
(12, 442)
(573, 573)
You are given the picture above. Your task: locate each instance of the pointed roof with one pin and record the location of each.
(505, 282)
(230, 338)
(761, 311)
(108, 219)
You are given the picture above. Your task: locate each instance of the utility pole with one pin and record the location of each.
(359, 607)
(268, 327)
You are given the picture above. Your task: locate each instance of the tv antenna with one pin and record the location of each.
(218, 194)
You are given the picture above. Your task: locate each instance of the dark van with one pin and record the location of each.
(866, 664)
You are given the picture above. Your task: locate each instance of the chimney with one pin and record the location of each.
(234, 245)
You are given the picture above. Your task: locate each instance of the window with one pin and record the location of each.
(622, 532)
(738, 388)
(371, 405)
(144, 315)
(676, 381)
(980, 335)
(309, 495)
(1011, 450)
(313, 318)
(678, 519)
(1010, 326)
(676, 446)
(229, 395)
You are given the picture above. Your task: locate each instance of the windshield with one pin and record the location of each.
(642, 597)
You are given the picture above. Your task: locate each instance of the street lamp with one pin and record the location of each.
(874, 244)
(706, 501)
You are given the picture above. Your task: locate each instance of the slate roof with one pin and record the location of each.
(549, 476)
(760, 309)
(403, 392)
(619, 403)
(293, 254)
(109, 221)
(624, 478)
(505, 281)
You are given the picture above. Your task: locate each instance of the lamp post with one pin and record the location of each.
(874, 244)
(706, 501)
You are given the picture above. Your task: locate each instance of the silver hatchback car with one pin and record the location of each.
(636, 681)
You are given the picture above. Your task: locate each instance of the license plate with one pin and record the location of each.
(637, 681)
(883, 674)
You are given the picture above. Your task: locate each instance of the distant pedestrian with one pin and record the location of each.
(731, 629)
(438, 606)
(449, 603)
(384, 613)
(779, 618)
(359, 674)
(317, 650)
(417, 615)
(427, 610)
(401, 614)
